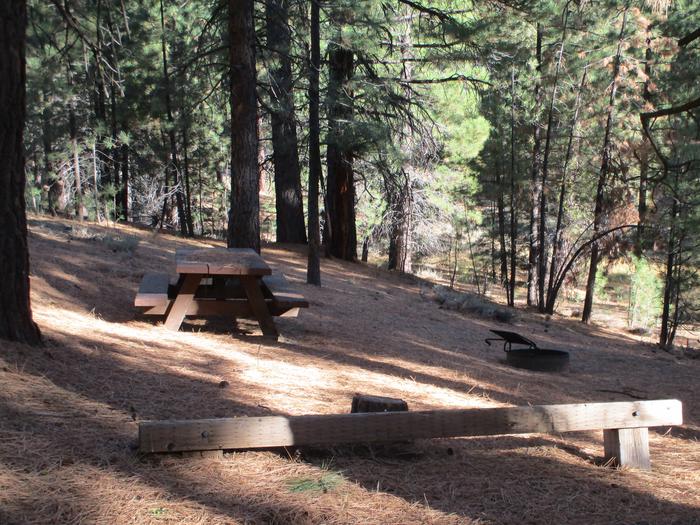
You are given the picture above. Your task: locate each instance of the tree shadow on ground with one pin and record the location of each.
(472, 478)
(100, 393)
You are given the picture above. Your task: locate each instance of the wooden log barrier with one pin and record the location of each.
(624, 423)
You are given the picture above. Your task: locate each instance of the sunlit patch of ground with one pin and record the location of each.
(69, 412)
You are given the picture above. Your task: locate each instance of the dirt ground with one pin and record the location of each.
(69, 411)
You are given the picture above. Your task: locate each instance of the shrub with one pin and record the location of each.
(601, 281)
(115, 243)
(120, 244)
(645, 300)
(472, 303)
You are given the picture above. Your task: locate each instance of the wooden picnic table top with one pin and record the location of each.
(220, 261)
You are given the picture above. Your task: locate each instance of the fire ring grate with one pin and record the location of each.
(531, 357)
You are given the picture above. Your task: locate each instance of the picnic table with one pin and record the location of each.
(235, 282)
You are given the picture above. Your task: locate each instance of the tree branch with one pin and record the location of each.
(687, 39)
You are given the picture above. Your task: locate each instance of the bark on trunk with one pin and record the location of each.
(73, 130)
(49, 177)
(500, 209)
(542, 233)
(401, 203)
(186, 174)
(643, 157)
(114, 154)
(401, 194)
(244, 215)
(173, 165)
(603, 178)
(16, 322)
(513, 214)
(123, 195)
(285, 156)
(670, 282)
(536, 189)
(313, 268)
(555, 263)
(340, 183)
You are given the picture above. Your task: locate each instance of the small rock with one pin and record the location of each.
(223, 384)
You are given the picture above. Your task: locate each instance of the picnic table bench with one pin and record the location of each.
(234, 282)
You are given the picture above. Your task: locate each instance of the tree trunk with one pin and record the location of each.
(313, 268)
(500, 209)
(401, 204)
(285, 156)
(186, 174)
(114, 154)
(73, 130)
(244, 215)
(536, 189)
(401, 196)
(602, 179)
(99, 106)
(36, 183)
(513, 214)
(340, 183)
(123, 195)
(555, 264)
(643, 159)
(670, 282)
(49, 177)
(16, 322)
(173, 165)
(542, 233)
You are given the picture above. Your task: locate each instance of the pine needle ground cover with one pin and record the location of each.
(69, 411)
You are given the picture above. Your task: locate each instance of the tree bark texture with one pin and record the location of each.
(73, 130)
(603, 179)
(535, 189)
(16, 322)
(558, 241)
(313, 268)
(123, 194)
(285, 155)
(542, 230)
(400, 196)
(500, 209)
(174, 164)
(401, 204)
(670, 282)
(244, 215)
(513, 214)
(643, 157)
(340, 178)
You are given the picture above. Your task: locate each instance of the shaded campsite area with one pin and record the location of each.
(70, 410)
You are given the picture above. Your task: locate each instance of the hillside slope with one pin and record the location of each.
(69, 411)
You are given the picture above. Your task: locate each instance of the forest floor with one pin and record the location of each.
(69, 411)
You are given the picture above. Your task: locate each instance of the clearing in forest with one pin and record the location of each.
(69, 412)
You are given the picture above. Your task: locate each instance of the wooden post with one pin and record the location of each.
(628, 447)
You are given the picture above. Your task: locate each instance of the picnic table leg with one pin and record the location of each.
(185, 295)
(253, 290)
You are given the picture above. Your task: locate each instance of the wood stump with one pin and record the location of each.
(365, 403)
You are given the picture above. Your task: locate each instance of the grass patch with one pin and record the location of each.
(324, 484)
